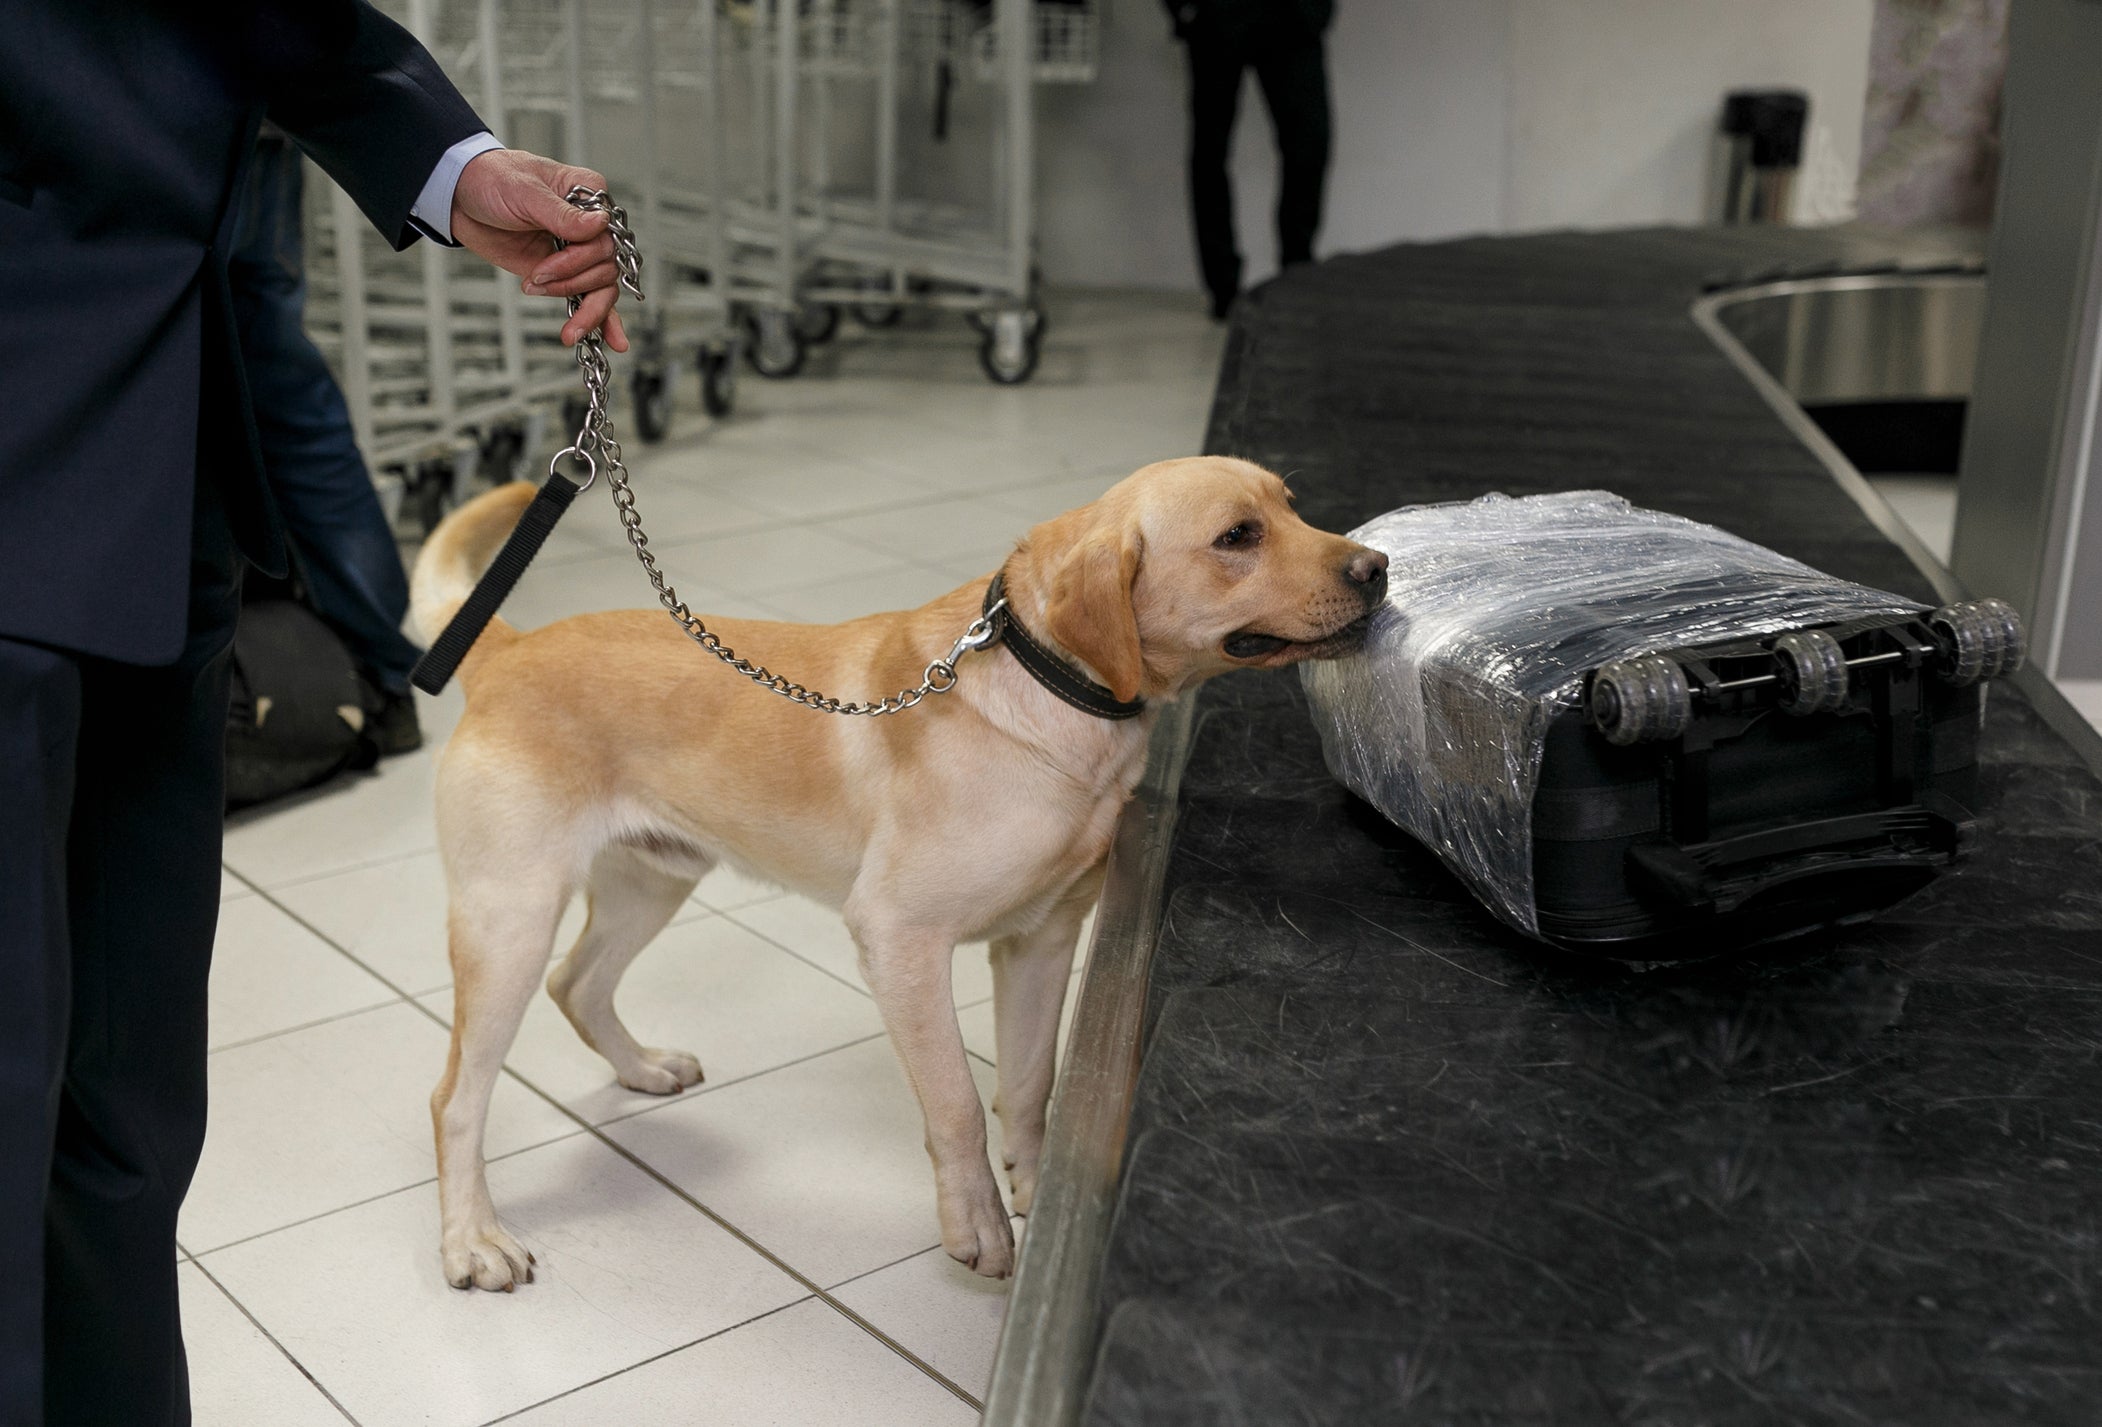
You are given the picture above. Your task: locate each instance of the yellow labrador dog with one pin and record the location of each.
(606, 754)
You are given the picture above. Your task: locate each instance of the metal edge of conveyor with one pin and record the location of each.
(2044, 696)
(1046, 1341)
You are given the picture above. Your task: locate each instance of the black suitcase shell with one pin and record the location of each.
(1755, 824)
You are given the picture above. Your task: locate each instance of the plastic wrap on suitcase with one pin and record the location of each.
(1503, 623)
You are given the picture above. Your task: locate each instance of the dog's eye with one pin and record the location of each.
(1246, 533)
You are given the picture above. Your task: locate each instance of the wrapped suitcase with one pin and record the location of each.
(1638, 735)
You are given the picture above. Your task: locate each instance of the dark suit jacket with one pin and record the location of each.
(123, 128)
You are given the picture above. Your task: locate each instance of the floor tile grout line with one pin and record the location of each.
(308, 1025)
(666, 1102)
(852, 1279)
(652, 1358)
(272, 1339)
(311, 877)
(779, 945)
(567, 1134)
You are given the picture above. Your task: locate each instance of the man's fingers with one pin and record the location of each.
(570, 261)
(548, 209)
(604, 274)
(595, 310)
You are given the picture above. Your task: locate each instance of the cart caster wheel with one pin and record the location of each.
(817, 323)
(652, 395)
(1813, 672)
(575, 409)
(1012, 344)
(878, 314)
(776, 350)
(1641, 700)
(423, 500)
(718, 381)
(503, 448)
(1980, 639)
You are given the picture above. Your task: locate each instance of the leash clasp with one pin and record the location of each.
(984, 630)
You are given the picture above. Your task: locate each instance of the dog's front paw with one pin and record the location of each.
(661, 1072)
(486, 1257)
(979, 1236)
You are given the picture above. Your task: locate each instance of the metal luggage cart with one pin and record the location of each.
(828, 220)
(450, 372)
(651, 74)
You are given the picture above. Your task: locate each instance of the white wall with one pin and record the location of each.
(1452, 116)
(1614, 102)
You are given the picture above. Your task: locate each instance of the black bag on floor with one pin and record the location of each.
(299, 709)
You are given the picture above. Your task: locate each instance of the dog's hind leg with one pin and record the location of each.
(632, 896)
(502, 928)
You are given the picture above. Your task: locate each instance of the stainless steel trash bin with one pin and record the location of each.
(1759, 149)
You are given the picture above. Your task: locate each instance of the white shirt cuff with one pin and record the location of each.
(433, 210)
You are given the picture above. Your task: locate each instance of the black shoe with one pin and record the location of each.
(392, 725)
(1222, 305)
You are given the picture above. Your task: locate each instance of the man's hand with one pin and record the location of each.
(510, 207)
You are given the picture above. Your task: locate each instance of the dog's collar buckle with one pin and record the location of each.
(1055, 674)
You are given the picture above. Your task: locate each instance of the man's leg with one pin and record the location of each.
(343, 542)
(143, 890)
(1293, 72)
(1215, 94)
(39, 731)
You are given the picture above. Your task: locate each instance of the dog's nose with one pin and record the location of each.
(1368, 568)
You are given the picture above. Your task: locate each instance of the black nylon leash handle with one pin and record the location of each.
(436, 668)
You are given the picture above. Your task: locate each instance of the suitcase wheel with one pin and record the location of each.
(1980, 639)
(1641, 700)
(1812, 672)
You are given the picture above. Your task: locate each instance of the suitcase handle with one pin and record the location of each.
(1722, 875)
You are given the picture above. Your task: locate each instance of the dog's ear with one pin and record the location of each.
(1089, 608)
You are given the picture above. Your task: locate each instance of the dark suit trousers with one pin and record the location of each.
(1292, 71)
(110, 812)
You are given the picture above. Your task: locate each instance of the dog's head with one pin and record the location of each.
(1189, 568)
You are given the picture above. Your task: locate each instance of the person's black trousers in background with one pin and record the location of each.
(1292, 70)
(110, 816)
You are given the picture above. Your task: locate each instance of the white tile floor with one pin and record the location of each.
(762, 1249)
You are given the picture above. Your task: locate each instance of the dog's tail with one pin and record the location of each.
(455, 556)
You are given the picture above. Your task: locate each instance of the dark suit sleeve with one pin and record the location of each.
(363, 98)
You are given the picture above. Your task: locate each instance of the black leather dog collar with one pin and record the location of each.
(1054, 673)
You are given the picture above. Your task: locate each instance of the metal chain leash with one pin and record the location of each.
(596, 448)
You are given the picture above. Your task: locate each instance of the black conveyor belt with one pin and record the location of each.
(1390, 1164)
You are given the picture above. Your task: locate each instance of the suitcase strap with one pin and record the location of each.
(436, 668)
